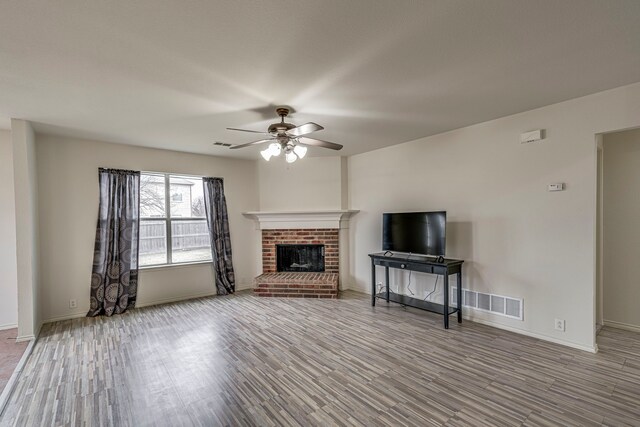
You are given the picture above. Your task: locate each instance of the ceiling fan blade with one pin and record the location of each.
(248, 144)
(247, 130)
(304, 129)
(319, 143)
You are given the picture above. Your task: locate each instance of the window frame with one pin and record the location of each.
(167, 222)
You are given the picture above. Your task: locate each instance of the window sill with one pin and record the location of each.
(176, 265)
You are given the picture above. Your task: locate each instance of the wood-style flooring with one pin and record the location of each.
(244, 360)
(10, 354)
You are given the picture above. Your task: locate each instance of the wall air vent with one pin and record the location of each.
(470, 298)
(484, 301)
(491, 303)
(497, 304)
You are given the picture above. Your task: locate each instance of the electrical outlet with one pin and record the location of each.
(73, 303)
(559, 325)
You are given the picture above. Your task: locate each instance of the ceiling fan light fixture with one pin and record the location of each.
(286, 137)
(266, 154)
(291, 157)
(300, 151)
(275, 149)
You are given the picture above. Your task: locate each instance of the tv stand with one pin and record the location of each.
(422, 264)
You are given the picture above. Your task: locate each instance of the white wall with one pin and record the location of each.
(308, 184)
(621, 228)
(517, 239)
(68, 180)
(8, 266)
(27, 237)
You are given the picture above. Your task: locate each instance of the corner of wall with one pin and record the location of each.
(344, 183)
(26, 206)
(8, 261)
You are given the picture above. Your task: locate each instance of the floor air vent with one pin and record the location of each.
(491, 303)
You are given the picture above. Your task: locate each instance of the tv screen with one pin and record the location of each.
(415, 232)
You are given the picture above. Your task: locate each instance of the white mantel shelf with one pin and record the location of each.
(275, 220)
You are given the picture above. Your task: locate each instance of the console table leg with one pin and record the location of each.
(446, 300)
(459, 296)
(386, 277)
(373, 284)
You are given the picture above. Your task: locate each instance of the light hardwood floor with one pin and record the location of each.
(244, 360)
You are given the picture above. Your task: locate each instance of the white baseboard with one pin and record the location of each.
(542, 337)
(245, 286)
(140, 305)
(620, 325)
(8, 326)
(13, 380)
(176, 299)
(212, 293)
(25, 338)
(65, 317)
(30, 337)
(356, 288)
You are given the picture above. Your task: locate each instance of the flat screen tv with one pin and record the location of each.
(415, 232)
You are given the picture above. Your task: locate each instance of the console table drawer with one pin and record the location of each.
(406, 266)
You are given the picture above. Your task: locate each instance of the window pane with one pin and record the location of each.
(190, 241)
(153, 243)
(152, 196)
(187, 197)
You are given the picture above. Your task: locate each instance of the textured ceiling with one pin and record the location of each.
(174, 74)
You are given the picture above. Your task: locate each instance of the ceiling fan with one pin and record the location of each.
(287, 138)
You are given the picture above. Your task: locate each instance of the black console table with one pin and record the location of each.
(423, 264)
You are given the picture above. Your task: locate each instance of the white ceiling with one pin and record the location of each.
(174, 74)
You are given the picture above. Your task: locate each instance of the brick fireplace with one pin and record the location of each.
(300, 284)
(322, 238)
(326, 237)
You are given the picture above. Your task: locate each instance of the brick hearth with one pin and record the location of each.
(301, 285)
(297, 285)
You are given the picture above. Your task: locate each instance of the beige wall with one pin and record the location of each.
(621, 217)
(310, 183)
(68, 180)
(27, 237)
(313, 183)
(8, 266)
(517, 239)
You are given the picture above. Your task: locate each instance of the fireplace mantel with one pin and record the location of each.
(275, 220)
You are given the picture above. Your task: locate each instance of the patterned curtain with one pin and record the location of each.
(218, 221)
(114, 281)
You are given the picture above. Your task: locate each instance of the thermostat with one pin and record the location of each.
(559, 186)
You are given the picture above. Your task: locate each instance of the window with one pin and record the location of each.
(172, 210)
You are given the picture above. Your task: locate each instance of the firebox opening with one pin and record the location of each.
(300, 258)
